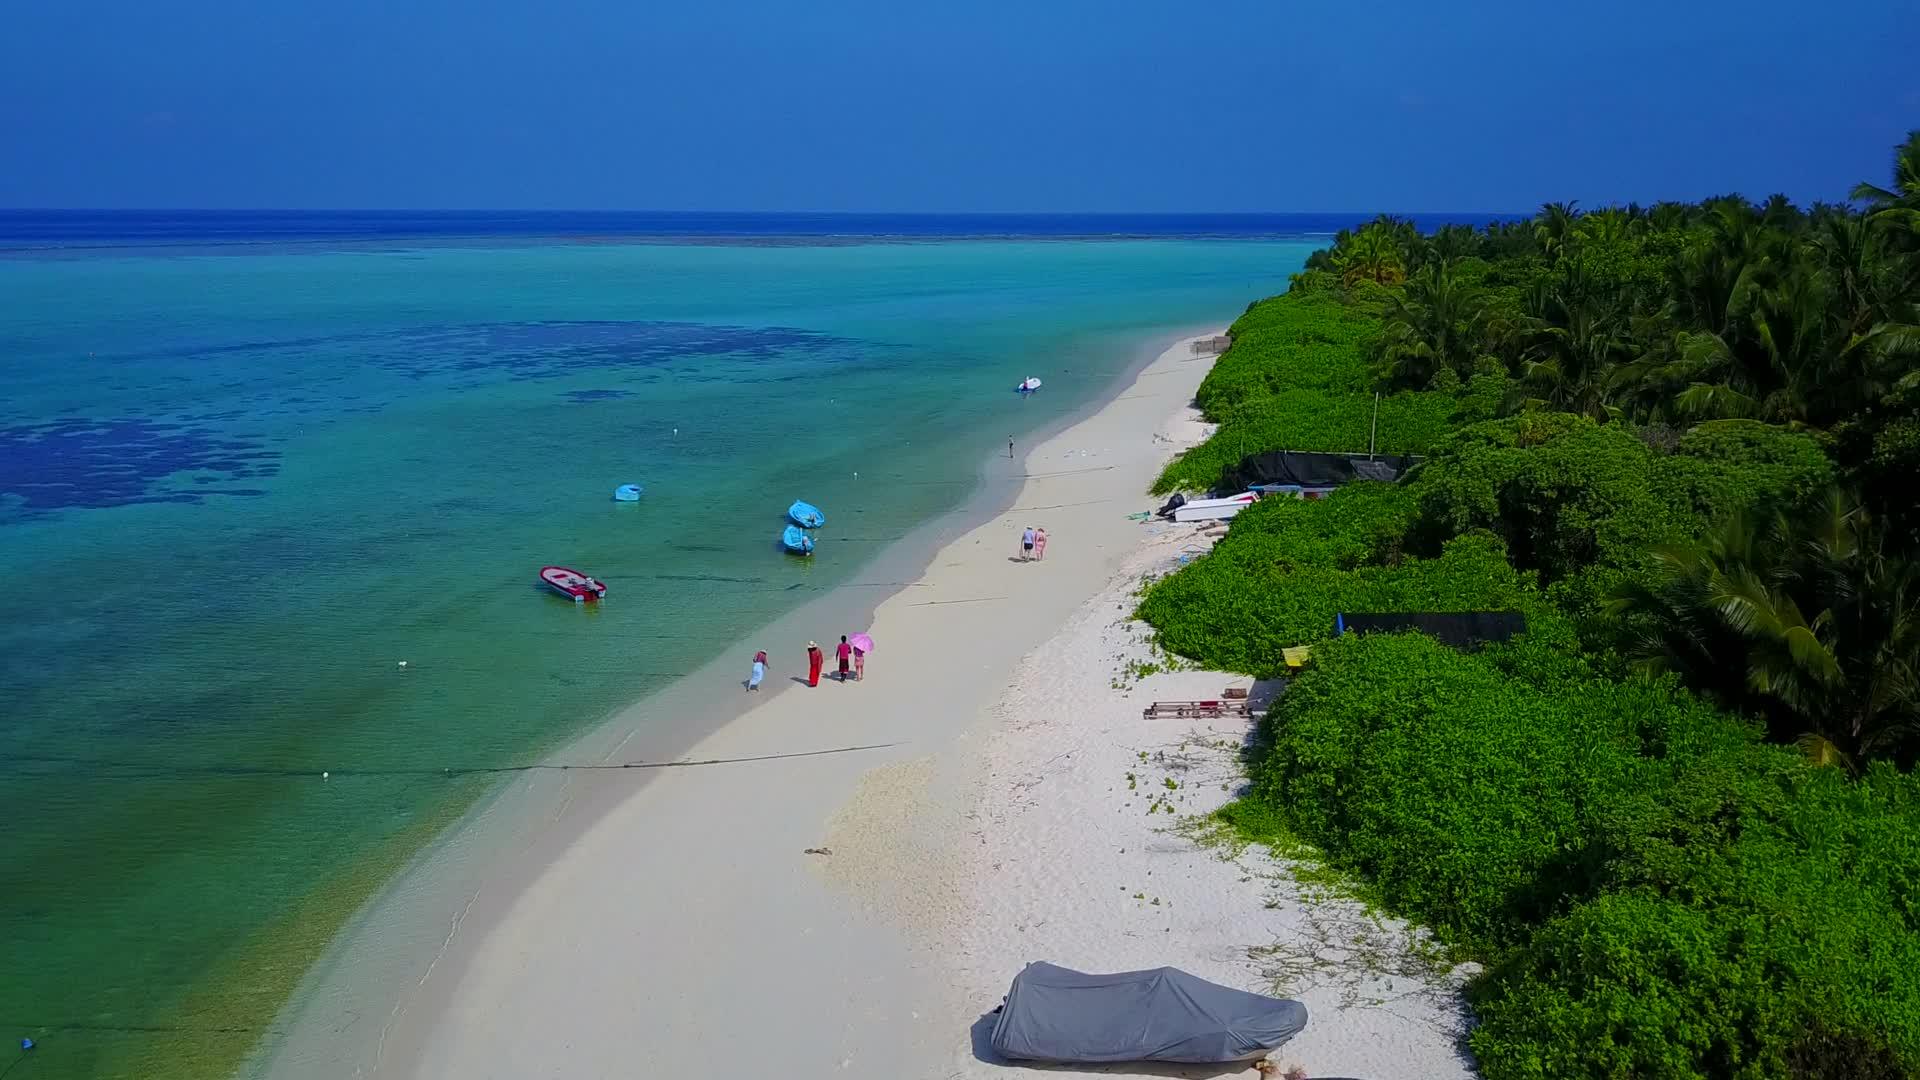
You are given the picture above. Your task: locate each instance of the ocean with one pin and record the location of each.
(252, 463)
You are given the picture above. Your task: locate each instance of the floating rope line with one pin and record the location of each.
(1069, 472)
(137, 1029)
(1061, 506)
(134, 769)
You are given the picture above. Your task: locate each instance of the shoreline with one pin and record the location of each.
(337, 1022)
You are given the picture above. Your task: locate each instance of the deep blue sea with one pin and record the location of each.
(251, 461)
(38, 230)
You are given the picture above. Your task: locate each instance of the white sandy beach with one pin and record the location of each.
(686, 933)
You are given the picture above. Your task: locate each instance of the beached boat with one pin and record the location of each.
(1028, 385)
(806, 515)
(796, 540)
(1214, 509)
(572, 584)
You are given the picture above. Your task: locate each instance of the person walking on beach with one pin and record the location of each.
(1009, 448)
(844, 652)
(1040, 544)
(759, 670)
(859, 664)
(815, 659)
(1026, 544)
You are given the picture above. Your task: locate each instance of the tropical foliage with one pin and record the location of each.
(1673, 819)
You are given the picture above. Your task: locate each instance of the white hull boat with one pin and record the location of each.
(1215, 509)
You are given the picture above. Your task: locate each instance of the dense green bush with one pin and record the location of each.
(1239, 607)
(1728, 466)
(1358, 524)
(1563, 491)
(1297, 378)
(1769, 930)
(1661, 895)
(1480, 801)
(1311, 420)
(1289, 342)
(1568, 494)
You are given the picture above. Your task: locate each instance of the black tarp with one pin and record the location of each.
(1058, 1015)
(1460, 629)
(1298, 468)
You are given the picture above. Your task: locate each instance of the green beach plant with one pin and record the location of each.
(1670, 819)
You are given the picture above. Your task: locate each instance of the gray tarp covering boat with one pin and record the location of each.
(1293, 468)
(1054, 1014)
(1460, 629)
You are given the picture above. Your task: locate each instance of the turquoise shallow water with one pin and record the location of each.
(237, 490)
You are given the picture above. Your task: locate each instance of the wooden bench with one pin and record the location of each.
(1209, 709)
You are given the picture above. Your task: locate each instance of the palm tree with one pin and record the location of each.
(1434, 325)
(1669, 216)
(1897, 209)
(1372, 254)
(1809, 332)
(1732, 254)
(1611, 225)
(1577, 335)
(1905, 193)
(1553, 226)
(1778, 212)
(1873, 314)
(1451, 242)
(1811, 617)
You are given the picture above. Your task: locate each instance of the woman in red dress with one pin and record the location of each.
(815, 658)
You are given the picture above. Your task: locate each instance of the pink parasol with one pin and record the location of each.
(861, 642)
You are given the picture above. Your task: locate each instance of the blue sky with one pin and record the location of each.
(982, 105)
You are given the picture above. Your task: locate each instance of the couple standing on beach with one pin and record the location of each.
(1033, 543)
(851, 659)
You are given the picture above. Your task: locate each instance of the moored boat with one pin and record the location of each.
(806, 515)
(572, 584)
(1214, 509)
(1028, 385)
(795, 539)
(627, 493)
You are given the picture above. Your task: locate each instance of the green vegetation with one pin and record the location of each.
(1676, 819)
(1297, 378)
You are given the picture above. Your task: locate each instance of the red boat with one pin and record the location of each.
(572, 584)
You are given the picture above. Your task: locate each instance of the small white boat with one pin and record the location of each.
(1215, 509)
(1028, 385)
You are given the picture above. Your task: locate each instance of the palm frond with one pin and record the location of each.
(1714, 400)
(1823, 752)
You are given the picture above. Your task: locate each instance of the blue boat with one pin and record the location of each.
(806, 515)
(627, 493)
(796, 540)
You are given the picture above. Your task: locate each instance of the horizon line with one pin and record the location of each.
(741, 213)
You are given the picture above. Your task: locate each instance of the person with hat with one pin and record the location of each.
(815, 660)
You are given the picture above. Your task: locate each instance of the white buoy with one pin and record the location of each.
(323, 776)
(403, 663)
